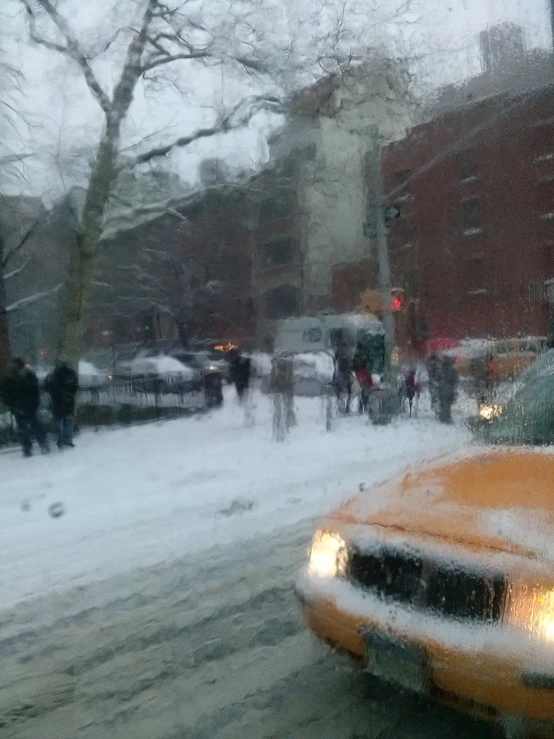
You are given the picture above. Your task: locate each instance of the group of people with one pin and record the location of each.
(20, 392)
(443, 382)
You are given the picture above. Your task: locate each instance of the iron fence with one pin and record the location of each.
(112, 401)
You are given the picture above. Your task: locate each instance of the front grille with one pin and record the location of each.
(413, 578)
(391, 574)
(457, 593)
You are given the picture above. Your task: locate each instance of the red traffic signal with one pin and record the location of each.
(397, 300)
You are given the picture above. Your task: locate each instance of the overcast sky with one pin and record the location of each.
(65, 121)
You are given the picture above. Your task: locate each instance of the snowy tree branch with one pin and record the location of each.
(15, 272)
(72, 49)
(239, 116)
(26, 302)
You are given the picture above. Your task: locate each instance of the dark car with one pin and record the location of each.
(212, 372)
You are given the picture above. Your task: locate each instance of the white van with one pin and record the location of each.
(324, 332)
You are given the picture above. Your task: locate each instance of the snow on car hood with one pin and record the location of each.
(500, 500)
(161, 365)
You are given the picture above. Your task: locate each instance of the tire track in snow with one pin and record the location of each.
(211, 647)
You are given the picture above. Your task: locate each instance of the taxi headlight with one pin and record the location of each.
(329, 554)
(532, 609)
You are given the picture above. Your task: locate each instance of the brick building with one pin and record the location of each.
(475, 240)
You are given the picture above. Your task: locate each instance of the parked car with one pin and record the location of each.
(441, 582)
(212, 371)
(160, 375)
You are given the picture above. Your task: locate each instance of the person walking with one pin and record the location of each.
(63, 385)
(365, 381)
(20, 393)
(447, 391)
(239, 373)
(342, 379)
(411, 388)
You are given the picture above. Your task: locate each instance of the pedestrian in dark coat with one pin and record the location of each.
(63, 385)
(21, 394)
(342, 378)
(448, 383)
(239, 372)
(365, 381)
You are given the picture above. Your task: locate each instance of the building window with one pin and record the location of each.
(282, 301)
(277, 253)
(471, 216)
(467, 166)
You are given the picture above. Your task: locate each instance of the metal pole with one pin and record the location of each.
(382, 253)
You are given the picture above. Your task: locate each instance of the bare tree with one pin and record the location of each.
(164, 35)
(9, 169)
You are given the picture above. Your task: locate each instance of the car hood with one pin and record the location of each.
(499, 500)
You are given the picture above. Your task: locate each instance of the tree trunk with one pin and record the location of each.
(5, 346)
(82, 260)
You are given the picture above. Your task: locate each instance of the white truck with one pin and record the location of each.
(312, 340)
(324, 332)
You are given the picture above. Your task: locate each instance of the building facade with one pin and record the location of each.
(475, 237)
(330, 127)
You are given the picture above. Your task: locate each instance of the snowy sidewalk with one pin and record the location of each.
(139, 496)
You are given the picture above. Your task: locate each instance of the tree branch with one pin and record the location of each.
(72, 49)
(26, 302)
(15, 272)
(174, 58)
(241, 114)
(8, 256)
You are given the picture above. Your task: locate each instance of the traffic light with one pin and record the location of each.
(397, 299)
(371, 301)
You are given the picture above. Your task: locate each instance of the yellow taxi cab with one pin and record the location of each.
(507, 357)
(442, 582)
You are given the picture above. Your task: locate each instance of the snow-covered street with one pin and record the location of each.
(140, 496)
(160, 603)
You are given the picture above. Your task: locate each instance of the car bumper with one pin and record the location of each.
(485, 681)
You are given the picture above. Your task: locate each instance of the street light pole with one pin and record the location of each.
(380, 233)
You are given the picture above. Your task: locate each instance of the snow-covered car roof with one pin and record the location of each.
(161, 365)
